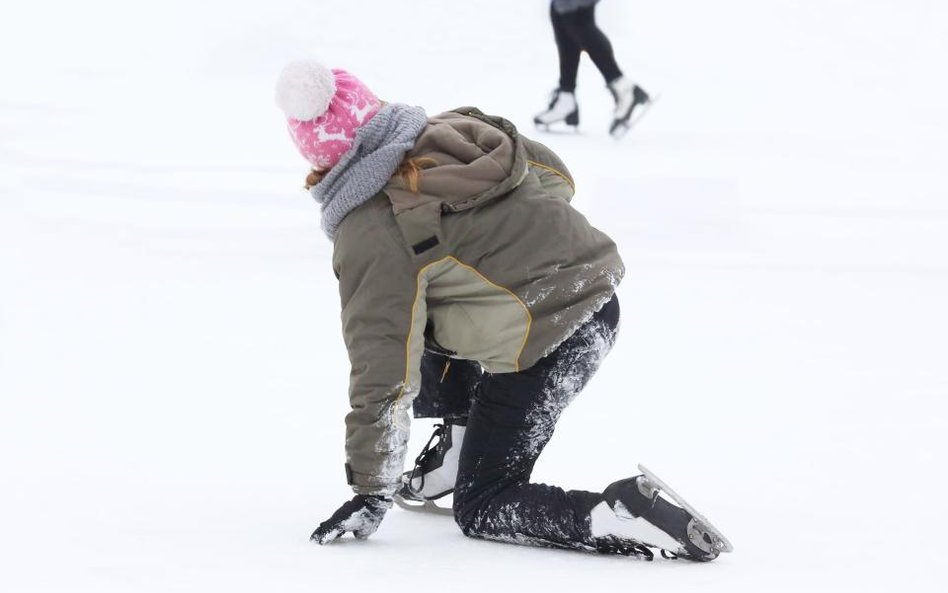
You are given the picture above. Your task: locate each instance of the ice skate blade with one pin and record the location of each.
(422, 506)
(723, 544)
(557, 128)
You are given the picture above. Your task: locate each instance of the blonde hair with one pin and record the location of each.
(409, 171)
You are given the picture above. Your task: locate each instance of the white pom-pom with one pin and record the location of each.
(305, 89)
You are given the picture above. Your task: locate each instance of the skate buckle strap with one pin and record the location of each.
(428, 450)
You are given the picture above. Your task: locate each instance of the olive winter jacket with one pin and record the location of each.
(487, 261)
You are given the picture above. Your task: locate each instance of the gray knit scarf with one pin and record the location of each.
(364, 169)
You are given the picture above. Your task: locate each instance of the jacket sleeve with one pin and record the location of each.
(383, 315)
(550, 168)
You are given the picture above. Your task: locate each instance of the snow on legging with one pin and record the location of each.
(511, 420)
(576, 31)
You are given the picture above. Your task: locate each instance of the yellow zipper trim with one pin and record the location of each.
(447, 365)
(555, 172)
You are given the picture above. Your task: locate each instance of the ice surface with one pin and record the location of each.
(172, 376)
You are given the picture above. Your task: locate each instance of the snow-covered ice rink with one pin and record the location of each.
(172, 375)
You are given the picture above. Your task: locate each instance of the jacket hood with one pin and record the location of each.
(476, 158)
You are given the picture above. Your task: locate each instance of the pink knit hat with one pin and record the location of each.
(323, 108)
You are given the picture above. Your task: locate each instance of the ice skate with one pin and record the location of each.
(435, 471)
(631, 104)
(563, 109)
(634, 512)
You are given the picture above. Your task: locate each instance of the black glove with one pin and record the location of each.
(361, 516)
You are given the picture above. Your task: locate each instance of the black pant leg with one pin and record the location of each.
(580, 26)
(568, 49)
(447, 387)
(512, 419)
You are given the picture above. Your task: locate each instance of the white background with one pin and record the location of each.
(172, 376)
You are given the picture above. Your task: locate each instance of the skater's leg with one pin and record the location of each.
(512, 419)
(569, 52)
(580, 25)
(447, 387)
(447, 390)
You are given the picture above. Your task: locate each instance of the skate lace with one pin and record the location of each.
(554, 95)
(625, 547)
(422, 460)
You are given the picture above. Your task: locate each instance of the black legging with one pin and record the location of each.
(447, 387)
(577, 31)
(511, 420)
(510, 417)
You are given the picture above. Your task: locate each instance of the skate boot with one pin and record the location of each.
(631, 104)
(435, 471)
(563, 108)
(633, 514)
